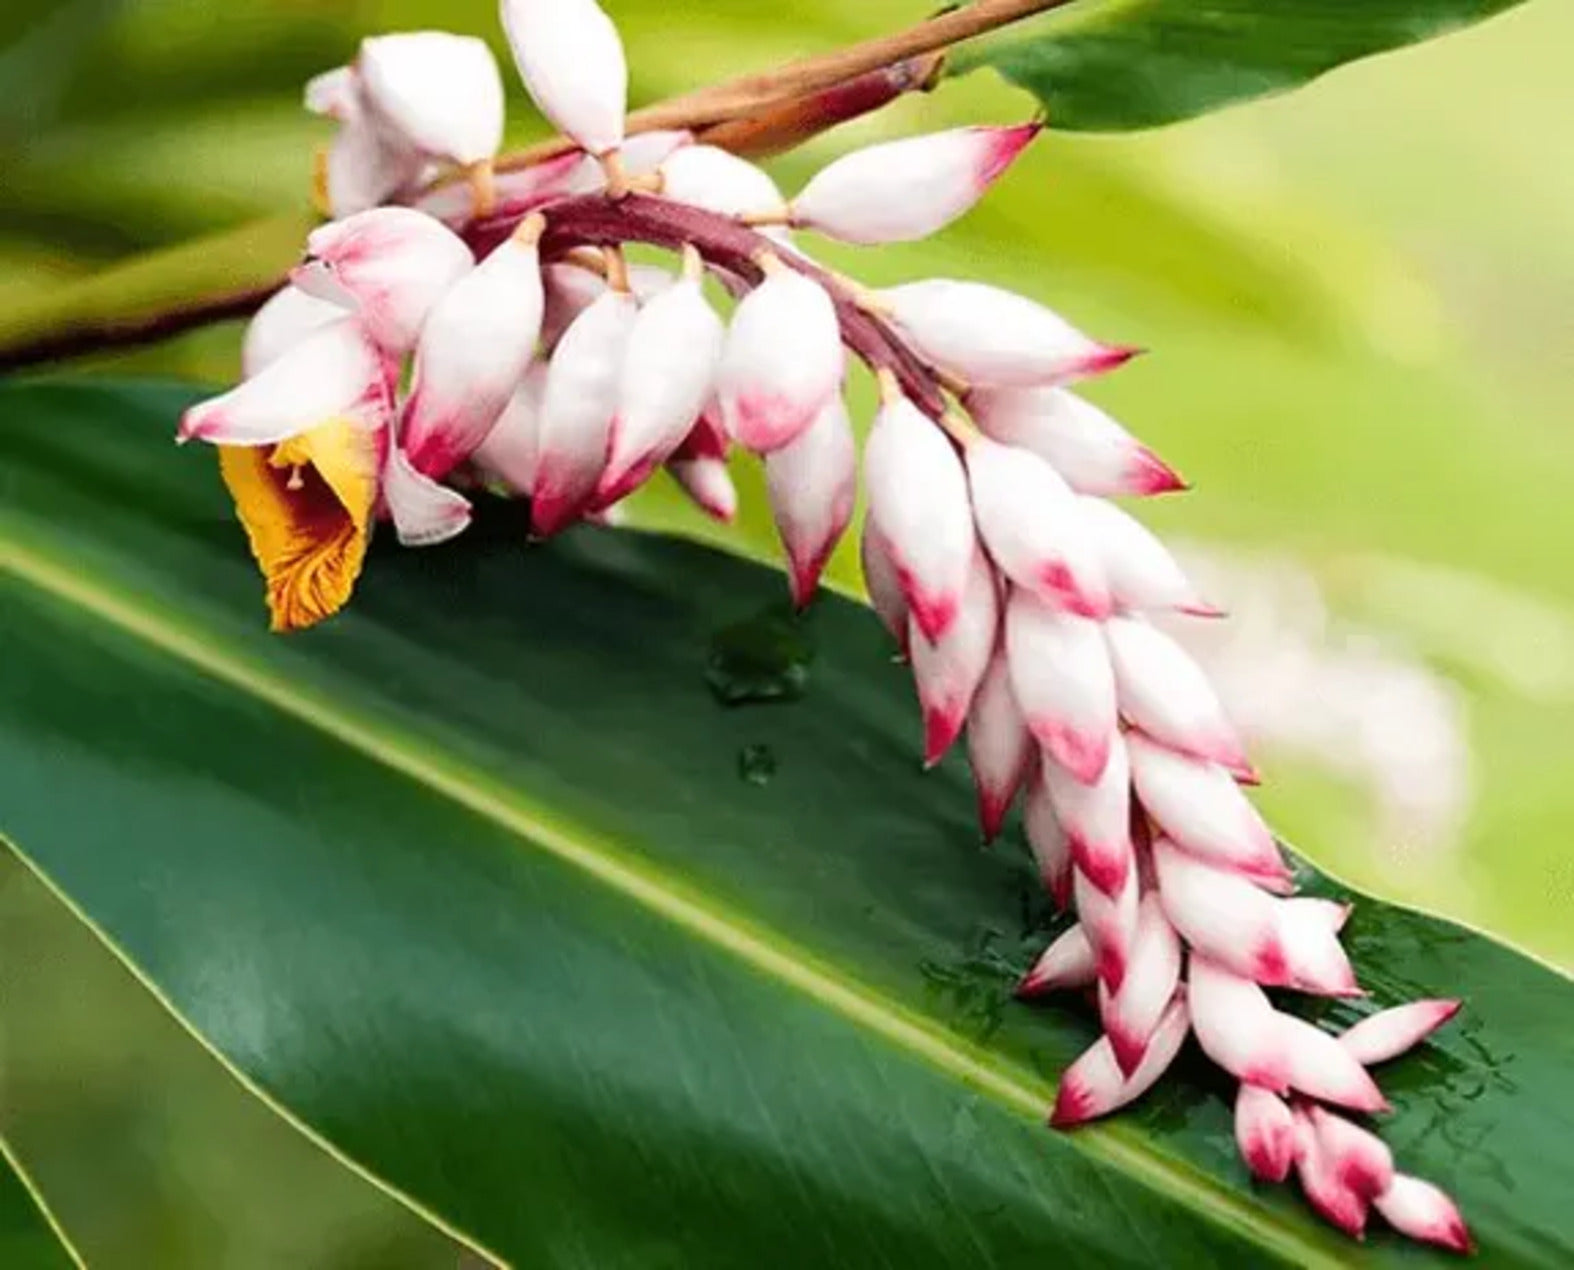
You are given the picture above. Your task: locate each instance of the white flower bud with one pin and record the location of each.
(474, 350)
(708, 483)
(439, 93)
(812, 484)
(1061, 674)
(999, 746)
(571, 59)
(509, 452)
(918, 504)
(949, 670)
(904, 190)
(991, 336)
(783, 361)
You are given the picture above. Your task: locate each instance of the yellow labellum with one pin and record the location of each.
(307, 508)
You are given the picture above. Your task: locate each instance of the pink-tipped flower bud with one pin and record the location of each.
(721, 182)
(1236, 1025)
(1359, 1159)
(904, 190)
(1094, 1085)
(883, 583)
(1068, 963)
(1047, 838)
(1061, 674)
(424, 513)
(949, 670)
(1165, 694)
(1222, 915)
(576, 415)
(1090, 450)
(999, 746)
(440, 94)
(288, 317)
(1111, 924)
(333, 373)
(1422, 1211)
(812, 484)
(509, 452)
(1316, 960)
(1203, 809)
(1389, 1033)
(390, 264)
(1132, 1015)
(1265, 1133)
(1327, 1193)
(782, 362)
(708, 484)
(474, 350)
(918, 504)
(1033, 526)
(571, 59)
(1096, 818)
(1142, 573)
(669, 368)
(1321, 1068)
(991, 336)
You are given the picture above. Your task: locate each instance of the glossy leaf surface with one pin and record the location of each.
(1112, 65)
(28, 1237)
(482, 885)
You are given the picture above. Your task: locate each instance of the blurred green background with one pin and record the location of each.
(1360, 301)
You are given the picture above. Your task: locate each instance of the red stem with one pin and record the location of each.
(593, 220)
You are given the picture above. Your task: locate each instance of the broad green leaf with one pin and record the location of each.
(483, 886)
(30, 1238)
(1111, 65)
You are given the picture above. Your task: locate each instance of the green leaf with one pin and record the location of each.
(1113, 65)
(30, 1238)
(482, 886)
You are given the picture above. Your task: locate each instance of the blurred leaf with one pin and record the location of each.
(1110, 65)
(29, 1236)
(483, 885)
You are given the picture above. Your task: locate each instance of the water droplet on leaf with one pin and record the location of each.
(764, 658)
(757, 764)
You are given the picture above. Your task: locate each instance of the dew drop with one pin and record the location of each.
(756, 764)
(764, 658)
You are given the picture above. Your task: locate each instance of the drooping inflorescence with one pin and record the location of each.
(542, 362)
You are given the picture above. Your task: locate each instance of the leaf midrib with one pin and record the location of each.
(1010, 1085)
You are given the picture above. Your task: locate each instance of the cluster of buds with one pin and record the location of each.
(544, 364)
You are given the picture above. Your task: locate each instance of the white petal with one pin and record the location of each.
(366, 168)
(1165, 693)
(708, 482)
(1221, 914)
(1389, 1033)
(882, 581)
(949, 670)
(1359, 1159)
(918, 503)
(812, 484)
(903, 190)
(439, 92)
(1264, 1133)
(572, 61)
(712, 178)
(1047, 838)
(1142, 573)
(288, 317)
(424, 513)
(509, 452)
(1061, 674)
(1422, 1211)
(1321, 1068)
(783, 361)
(576, 420)
(1111, 924)
(1317, 962)
(1094, 1086)
(395, 262)
(999, 746)
(668, 371)
(1034, 528)
(1096, 818)
(1152, 974)
(1090, 450)
(333, 373)
(474, 350)
(1236, 1025)
(1203, 809)
(1066, 963)
(992, 336)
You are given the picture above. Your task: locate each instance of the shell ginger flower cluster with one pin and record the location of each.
(452, 326)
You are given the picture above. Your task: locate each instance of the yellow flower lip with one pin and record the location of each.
(306, 505)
